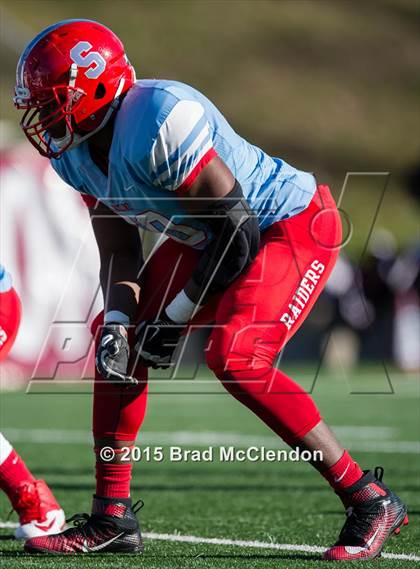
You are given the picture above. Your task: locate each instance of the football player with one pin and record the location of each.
(252, 241)
(38, 510)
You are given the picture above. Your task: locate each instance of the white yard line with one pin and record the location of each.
(357, 439)
(8, 525)
(241, 543)
(262, 545)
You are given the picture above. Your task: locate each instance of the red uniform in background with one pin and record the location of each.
(39, 512)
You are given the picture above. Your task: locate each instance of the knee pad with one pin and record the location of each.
(246, 353)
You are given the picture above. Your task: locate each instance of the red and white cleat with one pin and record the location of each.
(39, 512)
(374, 512)
(111, 528)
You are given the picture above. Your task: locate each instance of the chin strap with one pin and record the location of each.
(77, 138)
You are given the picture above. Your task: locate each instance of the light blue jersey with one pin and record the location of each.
(165, 132)
(5, 280)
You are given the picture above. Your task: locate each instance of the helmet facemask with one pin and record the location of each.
(64, 101)
(46, 111)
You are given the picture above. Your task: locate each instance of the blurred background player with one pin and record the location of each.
(10, 313)
(39, 512)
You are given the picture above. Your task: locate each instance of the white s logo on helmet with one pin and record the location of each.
(91, 58)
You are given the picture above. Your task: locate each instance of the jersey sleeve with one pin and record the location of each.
(182, 148)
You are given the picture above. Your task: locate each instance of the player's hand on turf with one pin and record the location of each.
(113, 354)
(156, 341)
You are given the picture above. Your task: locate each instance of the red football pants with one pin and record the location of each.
(253, 320)
(10, 314)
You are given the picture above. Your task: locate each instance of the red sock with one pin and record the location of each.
(13, 471)
(344, 473)
(113, 480)
(117, 415)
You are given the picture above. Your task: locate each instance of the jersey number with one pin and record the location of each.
(158, 223)
(92, 58)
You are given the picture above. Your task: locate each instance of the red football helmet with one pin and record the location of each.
(68, 81)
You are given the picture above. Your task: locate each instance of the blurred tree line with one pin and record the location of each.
(331, 86)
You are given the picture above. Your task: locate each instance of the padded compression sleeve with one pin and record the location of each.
(234, 246)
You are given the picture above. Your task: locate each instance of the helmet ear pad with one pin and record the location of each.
(91, 122)
(100, 91)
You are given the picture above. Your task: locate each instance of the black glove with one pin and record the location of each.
(156, 341)
(113, 354)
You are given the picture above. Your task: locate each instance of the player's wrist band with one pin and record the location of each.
(181, 309)
(116, 317)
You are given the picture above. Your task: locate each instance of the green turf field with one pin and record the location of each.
(273, 503)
